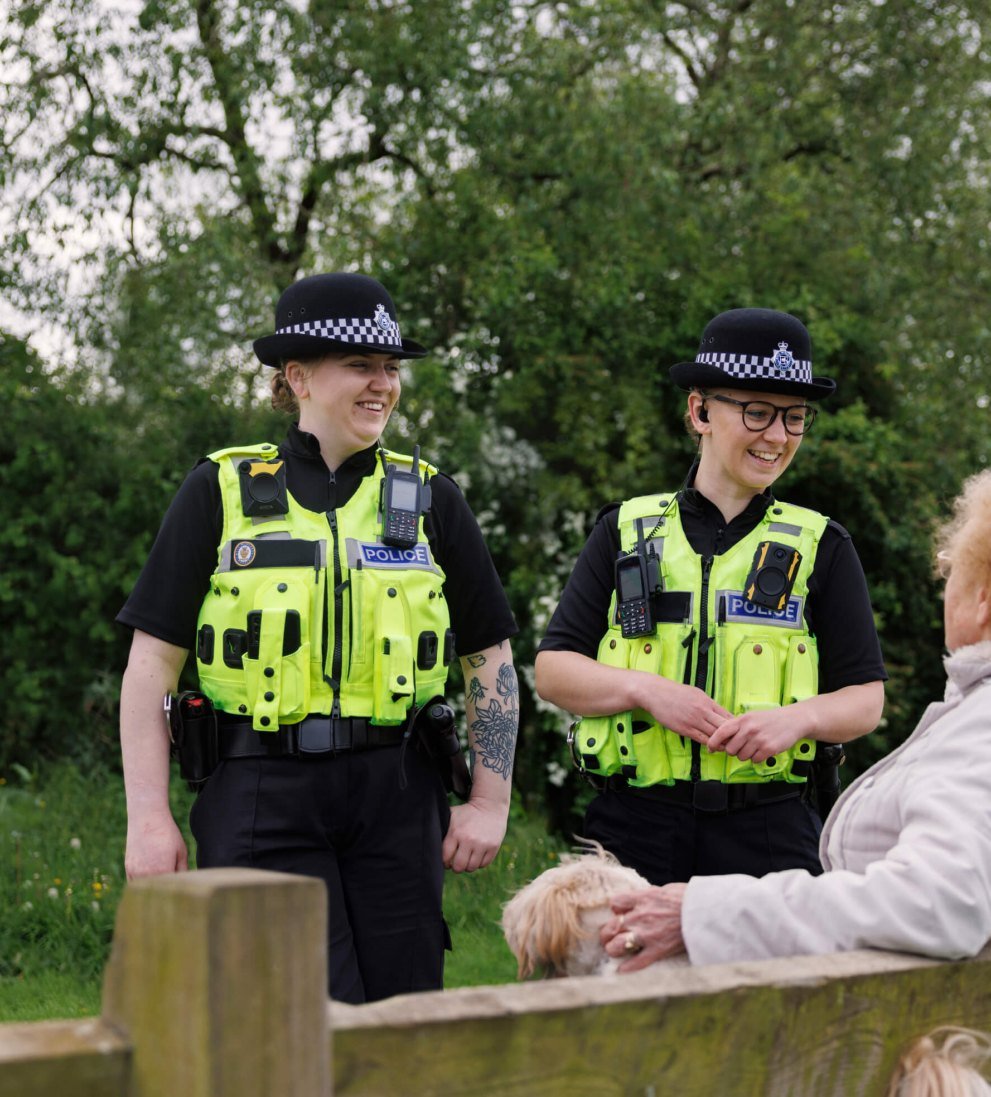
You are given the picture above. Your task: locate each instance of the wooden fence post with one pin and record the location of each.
(218, 980)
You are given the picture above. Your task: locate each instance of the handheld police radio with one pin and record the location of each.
(405, 497)
(638, 578)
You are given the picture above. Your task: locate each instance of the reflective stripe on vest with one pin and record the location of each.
(310, 613)
(709, 635)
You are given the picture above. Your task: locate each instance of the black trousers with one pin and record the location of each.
(345, 819)
(668, 843)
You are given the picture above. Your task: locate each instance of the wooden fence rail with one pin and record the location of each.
(216, 987)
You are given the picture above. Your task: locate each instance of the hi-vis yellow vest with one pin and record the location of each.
(744, 656)
(310, 613)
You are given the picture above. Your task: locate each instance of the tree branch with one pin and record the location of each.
(234, 136)
(722, 48)
(686, 59)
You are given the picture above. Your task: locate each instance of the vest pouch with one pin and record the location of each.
(394, 681)
(276, 663)
(614, 651)
(803, 752)
(597, 738)
(596, 744)
(801, 680)
(661, 755)
(754, 685)
(756, 677)
(650, 747)
(801, 670)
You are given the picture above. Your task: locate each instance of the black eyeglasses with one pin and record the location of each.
(758, 415)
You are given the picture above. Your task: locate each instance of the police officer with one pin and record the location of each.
(319, 629)
(711, 636)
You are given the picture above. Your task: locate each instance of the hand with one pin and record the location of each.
(154, 846)
(475, 834)
(650, 919)
(684, 709)
(757, 736)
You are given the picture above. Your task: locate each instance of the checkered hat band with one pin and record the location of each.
(752, 365)
(347, 331)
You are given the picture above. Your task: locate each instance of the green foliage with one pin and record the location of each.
(62, 840)
(687, 160)
(66, 875)
(84, 491)
(559, 198)
(59, 478)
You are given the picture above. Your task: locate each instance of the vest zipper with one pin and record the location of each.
(702, 666)
(334, 681)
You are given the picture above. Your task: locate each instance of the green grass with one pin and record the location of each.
(473, 903)
(61, 845)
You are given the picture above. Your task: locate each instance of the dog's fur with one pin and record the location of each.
(948, 1062)
(552, 924)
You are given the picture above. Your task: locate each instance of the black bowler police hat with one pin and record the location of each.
(754, 349)
(335, 312)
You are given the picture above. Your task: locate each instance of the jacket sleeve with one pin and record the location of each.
(929, 893)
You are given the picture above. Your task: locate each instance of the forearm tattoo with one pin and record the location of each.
(476, 691)
(494, 726)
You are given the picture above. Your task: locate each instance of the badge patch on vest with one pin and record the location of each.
(373, 554)
(732, 606)
(244, 553)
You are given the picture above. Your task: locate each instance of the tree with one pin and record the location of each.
(198, 153)
(559, 196)
(820, 160)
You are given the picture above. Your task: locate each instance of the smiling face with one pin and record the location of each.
(737, 463)
(345, 400)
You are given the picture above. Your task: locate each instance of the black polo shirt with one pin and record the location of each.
(838, 607)
(166, 599)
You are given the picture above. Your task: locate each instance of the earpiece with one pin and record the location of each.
(703, 414)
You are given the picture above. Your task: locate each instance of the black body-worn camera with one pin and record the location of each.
(772, 575)
(263, 488)
(405, 497)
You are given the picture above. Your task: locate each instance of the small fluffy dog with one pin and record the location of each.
(948, 1062)
(552, 924)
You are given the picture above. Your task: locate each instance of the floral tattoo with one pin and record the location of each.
(494, 726)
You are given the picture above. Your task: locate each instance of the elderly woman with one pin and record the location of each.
(907, 850)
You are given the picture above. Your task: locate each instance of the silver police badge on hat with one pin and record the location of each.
(782, 359)
(384, 321)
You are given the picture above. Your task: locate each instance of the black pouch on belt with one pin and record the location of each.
(436, 731)
(193, 734)
(826, 776)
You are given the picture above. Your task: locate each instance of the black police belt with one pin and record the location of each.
(714, 797)
(236, 738)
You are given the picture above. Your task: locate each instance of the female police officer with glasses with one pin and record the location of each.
(711, 637)
(323, 585)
